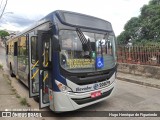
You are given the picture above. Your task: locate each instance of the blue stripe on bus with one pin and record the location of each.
(56, 72)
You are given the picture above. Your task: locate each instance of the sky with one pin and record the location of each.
(20, 14)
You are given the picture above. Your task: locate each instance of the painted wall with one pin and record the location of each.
(142, 70)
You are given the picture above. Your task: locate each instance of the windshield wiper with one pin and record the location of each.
(84, 41)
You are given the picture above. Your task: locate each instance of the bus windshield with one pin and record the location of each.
(76, 57)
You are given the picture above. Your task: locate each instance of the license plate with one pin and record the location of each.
(95, 94)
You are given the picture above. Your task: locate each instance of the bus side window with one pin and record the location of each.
(15, 49)
(34, 49)
(46, 54)
(7, 50)
(10, 47)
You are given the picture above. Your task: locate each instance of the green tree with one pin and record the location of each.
(130, 32)
(144, 28)
(123, 38)
(3, 34)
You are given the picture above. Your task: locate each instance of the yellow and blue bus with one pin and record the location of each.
(67, 60)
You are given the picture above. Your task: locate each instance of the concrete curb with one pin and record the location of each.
(139, 82)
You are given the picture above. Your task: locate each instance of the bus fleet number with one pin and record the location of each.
(106, 83)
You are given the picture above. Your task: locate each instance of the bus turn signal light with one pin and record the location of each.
(62, 87)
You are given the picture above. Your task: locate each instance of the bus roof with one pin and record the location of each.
(82, 20)
(73, 19)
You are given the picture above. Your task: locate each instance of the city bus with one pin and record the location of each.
(67, 60)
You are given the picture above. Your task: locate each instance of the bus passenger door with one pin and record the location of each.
(44, 56)
(33, 67)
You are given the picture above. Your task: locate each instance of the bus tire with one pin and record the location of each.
(11, 71)
(36, 98)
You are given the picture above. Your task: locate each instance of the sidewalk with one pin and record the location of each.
(9, 100)
(1, 44)
(151, 82)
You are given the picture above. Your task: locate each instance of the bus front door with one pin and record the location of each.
(44, 56)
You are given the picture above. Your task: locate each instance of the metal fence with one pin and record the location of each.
(145, 55)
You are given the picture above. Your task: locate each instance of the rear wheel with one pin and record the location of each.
(36, 98)
(11, 71)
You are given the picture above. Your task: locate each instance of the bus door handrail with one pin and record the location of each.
(35, 65)
(38, 71)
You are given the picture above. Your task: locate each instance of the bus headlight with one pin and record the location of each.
(62, 87)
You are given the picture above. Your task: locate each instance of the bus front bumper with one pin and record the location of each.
(69, 101)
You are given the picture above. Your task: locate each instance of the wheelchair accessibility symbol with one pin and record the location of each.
(99, 62)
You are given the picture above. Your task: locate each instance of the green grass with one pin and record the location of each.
(14, 91)
(1, 66)
(23, 101)
(18, 96)
(6, 77)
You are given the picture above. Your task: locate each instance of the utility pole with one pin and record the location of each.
(3, 9)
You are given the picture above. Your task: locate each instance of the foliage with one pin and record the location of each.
(1, 66)
(144, 28)
(23, 101)
(3, 34)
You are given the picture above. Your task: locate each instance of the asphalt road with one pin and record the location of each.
(126, 97)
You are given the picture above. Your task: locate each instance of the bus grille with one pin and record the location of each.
(89, 99)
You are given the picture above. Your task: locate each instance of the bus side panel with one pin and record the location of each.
(6, 50)
(7, 60)
(15, 67)
(11, 61)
